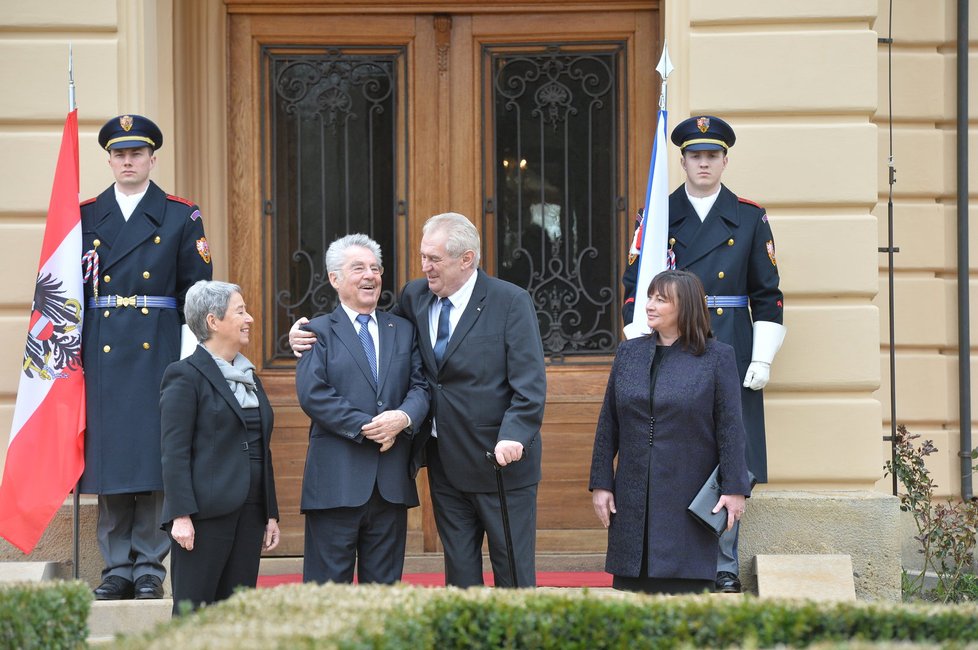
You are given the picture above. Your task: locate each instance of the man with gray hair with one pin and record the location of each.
(363, 387)
(483, 359)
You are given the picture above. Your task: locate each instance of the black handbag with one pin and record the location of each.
(701, 507)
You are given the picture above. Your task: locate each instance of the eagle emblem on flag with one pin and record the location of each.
(54, 337)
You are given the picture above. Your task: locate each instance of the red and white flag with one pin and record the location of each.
(46, 453)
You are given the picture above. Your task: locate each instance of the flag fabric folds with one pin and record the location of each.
(45, 453)
(654, 231)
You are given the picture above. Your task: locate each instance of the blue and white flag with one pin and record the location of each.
(652, 244)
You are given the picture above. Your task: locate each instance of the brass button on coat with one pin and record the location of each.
(106, 313)
(730, 242)
(107, 348)
(146, 275)
(144, 310)
(720, 275)
(156, 240)
(672, 241)
(96, 243)
(145, 346)
(107, 278)
(719, 311)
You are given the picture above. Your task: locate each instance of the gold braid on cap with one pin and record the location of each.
(130, 137)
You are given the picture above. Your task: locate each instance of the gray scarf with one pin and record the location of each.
(240, 375)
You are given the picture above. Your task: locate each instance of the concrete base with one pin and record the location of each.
(108, 618)
(864, 525)
(825, 578)
(32, 571)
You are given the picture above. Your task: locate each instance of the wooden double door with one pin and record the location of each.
(536, 124)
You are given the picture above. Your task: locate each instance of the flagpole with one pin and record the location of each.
(75, 498)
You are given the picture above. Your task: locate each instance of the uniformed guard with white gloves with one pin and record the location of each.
(142, 249)
(727, 242)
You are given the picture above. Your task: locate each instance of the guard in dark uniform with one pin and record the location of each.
(142, 250)
(727, 242)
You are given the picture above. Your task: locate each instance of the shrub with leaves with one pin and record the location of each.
(946, 530)
(371, 617)
(46, 615)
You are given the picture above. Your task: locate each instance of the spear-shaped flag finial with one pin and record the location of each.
(664, 68)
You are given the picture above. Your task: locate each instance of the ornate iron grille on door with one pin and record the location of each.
(553, 160)
(332, 126)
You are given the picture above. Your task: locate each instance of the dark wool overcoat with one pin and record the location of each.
(160, 251)
(732, 253)
(697, 424)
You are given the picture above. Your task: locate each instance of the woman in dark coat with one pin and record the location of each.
(668, 440)
(219, 501)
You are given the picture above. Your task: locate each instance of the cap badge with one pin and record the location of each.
(204, 250)
(703, 124)
(126, 123)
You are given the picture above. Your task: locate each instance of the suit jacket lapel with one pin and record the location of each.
(387, 331)
(201, 359)
(469, 317)
(700, 239)
(346, 333)
(422, 317)
(145, 219)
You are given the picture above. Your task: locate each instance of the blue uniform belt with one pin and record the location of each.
(726, 301)
(159, 302)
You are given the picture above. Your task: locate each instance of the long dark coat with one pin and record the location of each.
(732, 253)
(697, 424)
(160, 251)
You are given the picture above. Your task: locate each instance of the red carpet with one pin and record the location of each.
(544, 579)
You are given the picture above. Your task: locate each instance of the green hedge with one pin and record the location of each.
(371, 617)
(48, 615)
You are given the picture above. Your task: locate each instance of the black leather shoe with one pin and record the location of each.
(148, 587)
(114, 588)
(728, 583)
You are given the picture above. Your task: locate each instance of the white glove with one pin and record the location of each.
(758, 374)
(188, 342)
(768, 338)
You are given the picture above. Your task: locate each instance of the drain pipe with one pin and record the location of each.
(964, 326)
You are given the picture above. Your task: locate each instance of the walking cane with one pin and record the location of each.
(491, 457)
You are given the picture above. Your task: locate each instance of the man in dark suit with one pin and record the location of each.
(484, 362)
(727, 242)
(363, 387)
(143, 249)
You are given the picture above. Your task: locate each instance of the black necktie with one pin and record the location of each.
(441, 342)
(368, 344)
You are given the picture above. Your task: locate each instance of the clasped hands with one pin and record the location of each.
(384, 427)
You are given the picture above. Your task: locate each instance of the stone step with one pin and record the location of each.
(108, 618)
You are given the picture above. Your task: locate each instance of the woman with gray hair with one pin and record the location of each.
(219, 501)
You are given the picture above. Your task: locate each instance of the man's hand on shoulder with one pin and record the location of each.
(301, 340)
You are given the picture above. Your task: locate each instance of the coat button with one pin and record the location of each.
(672, 241)
(107, 348)
(144, 310)
(146, 275)
(156, 240)
(730, 242)
(96, 243)
(145, 346)
(106, 313)
(379, 403)
(719, 311)
(106, 278)
(720, 275)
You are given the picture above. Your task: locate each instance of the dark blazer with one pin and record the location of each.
(735, 240)
(491, 384)
(160, 251)
(206, 465)
(335, 388)
(697, 424)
